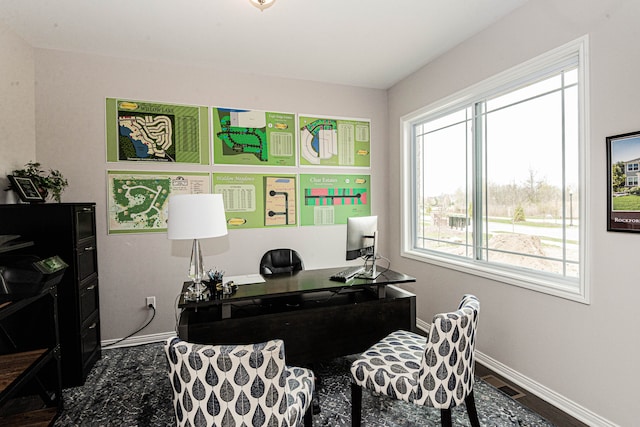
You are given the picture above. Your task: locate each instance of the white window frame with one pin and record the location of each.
(556, 286)
(632, 167)
(632, 181)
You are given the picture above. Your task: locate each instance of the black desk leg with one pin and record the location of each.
(315, 400)
(356, 405)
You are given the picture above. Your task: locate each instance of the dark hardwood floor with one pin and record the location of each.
(531, 401)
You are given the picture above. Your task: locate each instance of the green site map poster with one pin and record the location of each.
(326, 141)
(331, 199)
(250, 137)
(137, 201)
(146, 131)
(257, 200)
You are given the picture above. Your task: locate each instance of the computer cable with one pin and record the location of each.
(388, 264)
(135, 332)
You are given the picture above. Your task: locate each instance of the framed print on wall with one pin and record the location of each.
(137, 201)
(329, 199)
(334, 141)
(258, 200)
(143, 131)
(623, 182)
(253, 137)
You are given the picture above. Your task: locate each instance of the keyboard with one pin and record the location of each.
(346, 274)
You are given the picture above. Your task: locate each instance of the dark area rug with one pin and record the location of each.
(129, 387)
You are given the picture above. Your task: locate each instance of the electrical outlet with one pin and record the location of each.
(150, 302)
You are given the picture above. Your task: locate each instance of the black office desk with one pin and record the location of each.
(317, 318)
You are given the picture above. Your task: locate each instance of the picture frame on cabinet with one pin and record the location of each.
(26, 189)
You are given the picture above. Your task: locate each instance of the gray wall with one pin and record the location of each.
(17, 111)
(70, 123)
(587, 353)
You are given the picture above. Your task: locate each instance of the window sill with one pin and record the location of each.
(573, 290)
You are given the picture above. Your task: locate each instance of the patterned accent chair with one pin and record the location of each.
(237, 385)
(436, 371)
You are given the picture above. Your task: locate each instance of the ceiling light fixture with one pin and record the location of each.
(262, 4)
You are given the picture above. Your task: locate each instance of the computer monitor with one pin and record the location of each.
(361, 242)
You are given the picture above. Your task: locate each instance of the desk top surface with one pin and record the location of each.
(296, 283)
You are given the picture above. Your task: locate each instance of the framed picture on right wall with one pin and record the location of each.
(623, 182)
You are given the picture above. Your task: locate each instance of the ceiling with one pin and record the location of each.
(373, 43)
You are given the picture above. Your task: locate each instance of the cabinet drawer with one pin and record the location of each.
(85, 223)
(87, 260)
(90, 340)
(88, 300)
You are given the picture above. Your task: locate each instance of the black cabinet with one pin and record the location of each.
(30, 376)
(66, 230)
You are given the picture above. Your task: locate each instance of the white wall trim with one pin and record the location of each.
(565, 405)
(424, 326)
(139, 340)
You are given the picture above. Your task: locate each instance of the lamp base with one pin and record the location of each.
(197, 292)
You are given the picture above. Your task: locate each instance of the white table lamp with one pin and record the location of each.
(196, 216)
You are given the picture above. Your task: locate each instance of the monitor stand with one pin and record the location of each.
(369, 273)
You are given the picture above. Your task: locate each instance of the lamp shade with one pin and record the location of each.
(196, 216)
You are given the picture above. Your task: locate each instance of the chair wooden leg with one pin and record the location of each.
(356, 405)
(445, 417)
(308, 417)
(470, 402)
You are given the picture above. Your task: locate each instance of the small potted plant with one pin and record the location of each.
(52, 182)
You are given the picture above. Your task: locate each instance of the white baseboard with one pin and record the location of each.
(565, 405)
(421, 324)
(139, 340)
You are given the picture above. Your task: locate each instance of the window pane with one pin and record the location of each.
(442, 194)
(572, 179)
(535, 89)
(445, 121)
(525, 176)
(571, 77)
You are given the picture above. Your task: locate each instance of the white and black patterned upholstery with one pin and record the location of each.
(237, 385)
(436, 371)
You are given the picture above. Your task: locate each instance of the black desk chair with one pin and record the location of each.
(282, 261)
(278, 261)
